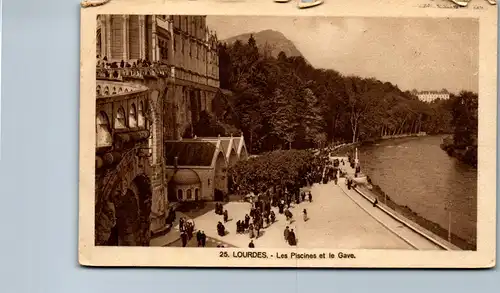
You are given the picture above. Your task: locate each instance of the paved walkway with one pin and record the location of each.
(172, 236)
(335, 222)
(338, 218)
(411, 237)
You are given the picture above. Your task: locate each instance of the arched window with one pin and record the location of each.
(132, 116)
(197, 194)
(103, 131)
(120, 119)
(140, 115)
(189, 194)
(98, 90)
(179, 194)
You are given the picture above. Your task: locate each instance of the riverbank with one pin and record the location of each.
(466, 154)
(423, 222)
(464, 243)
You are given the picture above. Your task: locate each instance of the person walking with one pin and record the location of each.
(286, 233)
(292, 240)
(184, 239)
(199, 237)
(203, 239)
(251, 245)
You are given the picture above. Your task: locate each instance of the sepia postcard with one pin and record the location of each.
(258, 134)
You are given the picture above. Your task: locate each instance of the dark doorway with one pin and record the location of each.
(132, 213)
(218, 195)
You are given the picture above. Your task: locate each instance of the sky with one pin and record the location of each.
(414, 53)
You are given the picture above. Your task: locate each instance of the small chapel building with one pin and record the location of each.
(196, 168)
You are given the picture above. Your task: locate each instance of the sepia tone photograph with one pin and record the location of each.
(223, 132)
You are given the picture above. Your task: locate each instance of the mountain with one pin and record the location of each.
(269, 41)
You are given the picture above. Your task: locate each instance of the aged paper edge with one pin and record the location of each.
(484, 257)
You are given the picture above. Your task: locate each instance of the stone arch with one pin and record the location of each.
(132, 212)
(196, 194)
(98, 90)
(233, 157)
(103, 131)
(220, 179)
(132, 116)
(123, 204)
(120, 120)
(243, 153)
(140, 115)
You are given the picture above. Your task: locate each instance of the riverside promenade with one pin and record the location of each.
(413, 234)
(338, 218)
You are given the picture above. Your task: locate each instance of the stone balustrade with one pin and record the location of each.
(108, 88)
(124, 73)
(153, 71)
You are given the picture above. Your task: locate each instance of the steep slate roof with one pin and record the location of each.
(236, 143)
(189, 153)
(225, 145)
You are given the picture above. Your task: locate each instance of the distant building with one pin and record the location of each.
(429, 96)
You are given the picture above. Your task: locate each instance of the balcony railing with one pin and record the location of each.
(107, 88)
(153, 71)
(133, 72)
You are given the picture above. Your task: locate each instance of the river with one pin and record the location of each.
(417, 173)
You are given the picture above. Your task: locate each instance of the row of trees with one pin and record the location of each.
(284, 102)
(463, 118)
(281, 169)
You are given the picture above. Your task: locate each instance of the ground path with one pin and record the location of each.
(335, 222)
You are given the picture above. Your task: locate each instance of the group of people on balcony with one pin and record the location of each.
(140, 63)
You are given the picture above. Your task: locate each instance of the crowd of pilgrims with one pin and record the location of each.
(261, 216)
(186, 227)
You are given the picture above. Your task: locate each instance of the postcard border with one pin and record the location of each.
(485, 256)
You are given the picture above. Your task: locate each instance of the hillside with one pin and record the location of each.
(270, 42)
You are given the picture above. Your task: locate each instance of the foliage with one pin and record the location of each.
(464, 120)
(284, 102)
(209, 126)
(284, 168)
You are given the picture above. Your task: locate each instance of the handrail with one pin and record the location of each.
(413, 228)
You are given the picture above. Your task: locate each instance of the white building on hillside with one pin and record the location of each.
(429, 96)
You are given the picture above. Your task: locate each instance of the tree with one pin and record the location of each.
(285, 102)
(465, 119)
(284, 122)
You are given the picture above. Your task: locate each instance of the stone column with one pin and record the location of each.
(108, 37)
(158, 208)
(142, 37)
(171, 52)
(125, 44)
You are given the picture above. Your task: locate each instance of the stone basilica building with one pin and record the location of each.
(155, 74)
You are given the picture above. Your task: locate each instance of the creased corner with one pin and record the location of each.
(93, 3)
